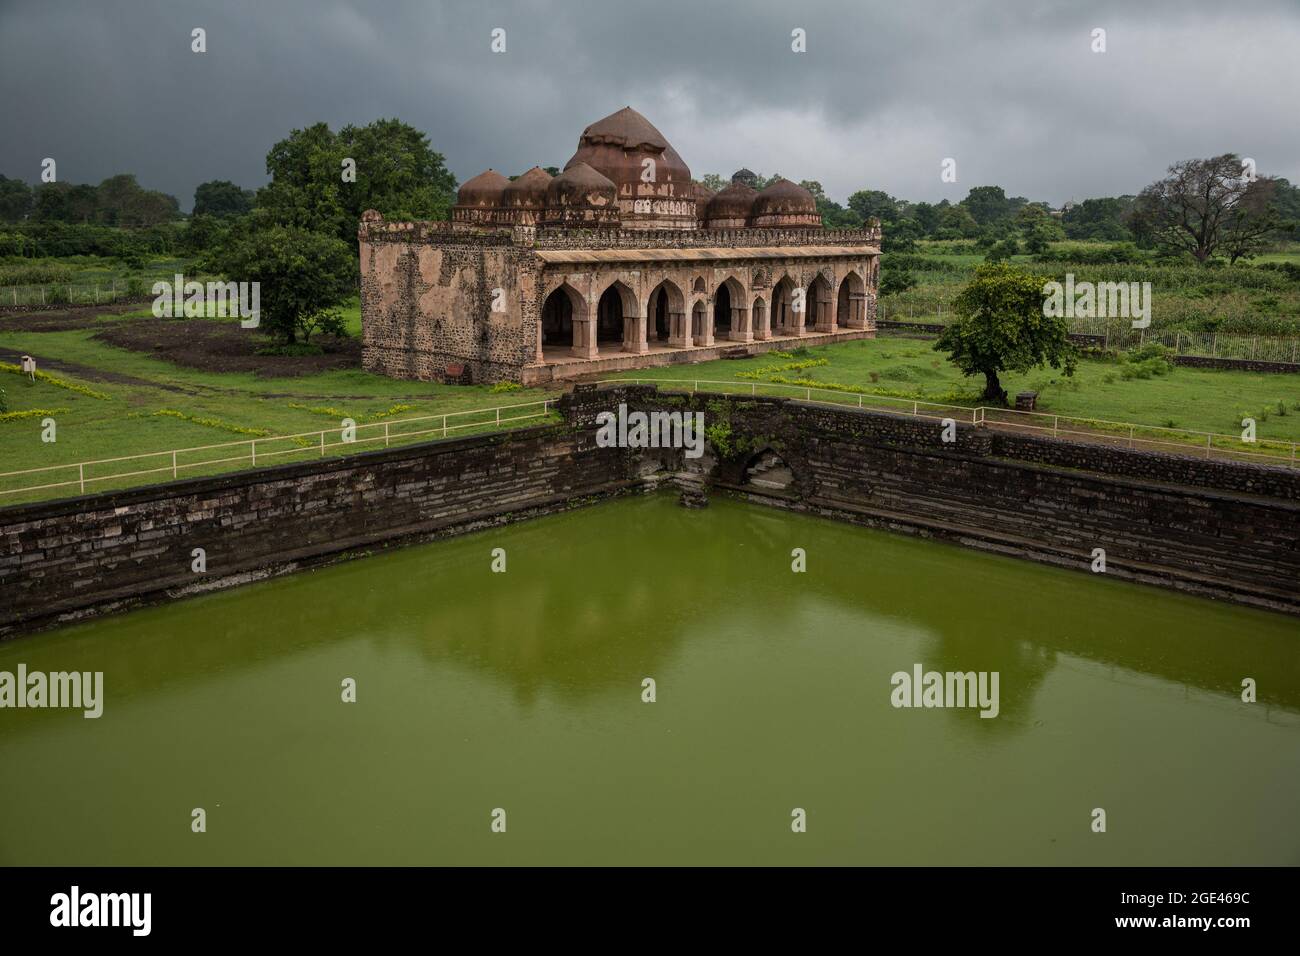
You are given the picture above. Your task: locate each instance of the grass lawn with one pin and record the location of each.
(1198, 399)
(154, 405)
(111, 402)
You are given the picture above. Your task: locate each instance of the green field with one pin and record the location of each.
(109, 402)
(1201, 400)
(155, 406)
(1240, 300)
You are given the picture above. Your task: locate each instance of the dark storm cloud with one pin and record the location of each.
(1009, 89)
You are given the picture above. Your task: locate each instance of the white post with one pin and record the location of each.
(253, 449)
(322, 444)
(385, 434)
(81, 472)
(173, 463)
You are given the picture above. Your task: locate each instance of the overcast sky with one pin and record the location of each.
(886, 90)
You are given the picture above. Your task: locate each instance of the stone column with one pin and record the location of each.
(634, 335)
(857, 310)
(740, 330)
(679, 331)
(584, 334)
(823, 314)
(705, 337)
(795, 319)
(763, 322)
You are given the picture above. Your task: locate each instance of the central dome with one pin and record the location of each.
(654, 186)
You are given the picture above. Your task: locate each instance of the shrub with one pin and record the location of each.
(500, 387)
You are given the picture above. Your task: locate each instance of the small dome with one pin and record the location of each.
(529, 190)
(580, 185)
(784, 198)
(485, 189)
(732, 202)
(702, 194)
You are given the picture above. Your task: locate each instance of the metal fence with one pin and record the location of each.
(1183, 441)
(61, 293)
(177, 462)
(1122, 335)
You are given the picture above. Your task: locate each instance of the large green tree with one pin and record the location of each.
(313, 170)
(303, 276)
(1000, 326)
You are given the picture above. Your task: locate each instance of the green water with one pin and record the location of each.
(522, 691)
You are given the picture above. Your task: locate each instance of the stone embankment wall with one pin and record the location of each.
(1217, 528)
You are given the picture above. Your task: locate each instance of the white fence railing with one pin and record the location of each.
(1129, 434)
(175, 462)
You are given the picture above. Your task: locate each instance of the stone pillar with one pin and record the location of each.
(584, 334)
(795, 319)
(740, 330)
(763, 322)
(705, 338)
(634, 334)
(857, 310)
(679, 331)
(823, 314)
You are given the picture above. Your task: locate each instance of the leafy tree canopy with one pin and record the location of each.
(999, 326)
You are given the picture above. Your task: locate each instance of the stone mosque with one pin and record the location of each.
(621, 261)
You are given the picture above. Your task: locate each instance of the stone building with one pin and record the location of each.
(621, 261)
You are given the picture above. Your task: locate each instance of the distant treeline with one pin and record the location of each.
(988, 214)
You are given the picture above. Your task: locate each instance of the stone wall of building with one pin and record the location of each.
(465, 299)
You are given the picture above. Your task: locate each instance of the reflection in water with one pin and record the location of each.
(476, 688)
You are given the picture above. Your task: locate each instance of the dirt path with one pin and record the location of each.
(62, 320)
(212, 346)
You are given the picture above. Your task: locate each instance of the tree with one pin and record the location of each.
(895, 280)
(1104, 217)
(713, 182)
(926, 214)
(987, 204)
(15, 199)
(874, 203)
(397, 173)
(956, 222)
(1038, 228)
(303, 275)
(999, 326)
(221, 198)
(1002, 250)
(1207, 206)
(901, 236)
